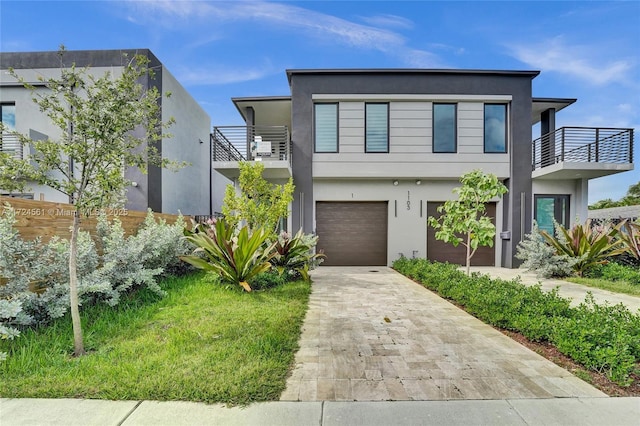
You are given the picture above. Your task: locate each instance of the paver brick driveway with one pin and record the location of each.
(379, 336)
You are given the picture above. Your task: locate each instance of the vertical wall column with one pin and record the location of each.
(548, 145)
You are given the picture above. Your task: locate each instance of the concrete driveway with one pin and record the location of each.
(371, 334)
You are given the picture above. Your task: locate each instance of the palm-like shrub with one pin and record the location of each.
(236, 256)
(295, 255)
(630, 236)
(589, 245)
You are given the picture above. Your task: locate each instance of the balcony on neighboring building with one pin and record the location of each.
(9, 144)
(582, 153)
(269, 144)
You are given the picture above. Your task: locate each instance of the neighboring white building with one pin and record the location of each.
(373, 152)
(188, 190)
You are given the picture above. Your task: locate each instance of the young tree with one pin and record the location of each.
(463, 220)
(96, 116)
(260, 203)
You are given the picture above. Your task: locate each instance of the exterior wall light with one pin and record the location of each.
(418, 182)
(395, 182)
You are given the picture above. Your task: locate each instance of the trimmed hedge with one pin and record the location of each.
(603, 338)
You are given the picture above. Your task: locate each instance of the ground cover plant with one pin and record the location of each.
(34, 275)
(200, 342)
(603, 338)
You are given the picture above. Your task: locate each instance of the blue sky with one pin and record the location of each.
(587, 50)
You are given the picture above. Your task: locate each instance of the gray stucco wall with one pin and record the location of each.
(304, 84)
(187, 190)
(161, 190)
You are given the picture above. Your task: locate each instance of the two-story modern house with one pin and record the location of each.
(188, 190)
(374, 152)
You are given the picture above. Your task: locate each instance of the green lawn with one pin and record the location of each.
(201, 342)
(615, 286)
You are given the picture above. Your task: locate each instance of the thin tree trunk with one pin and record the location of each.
(73, 288)
(468, 254)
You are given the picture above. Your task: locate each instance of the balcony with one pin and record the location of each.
(582, 153)
(10, 144)
(269, 144)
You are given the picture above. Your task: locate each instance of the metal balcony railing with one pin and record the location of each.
(583, 145)
(246, 143)
(9, 144)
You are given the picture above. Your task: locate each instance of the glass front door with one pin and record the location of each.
(549, 208)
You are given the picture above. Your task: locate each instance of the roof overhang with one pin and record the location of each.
(540, 105)
(268, 110)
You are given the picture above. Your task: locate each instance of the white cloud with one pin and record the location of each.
(219, 75)
(309, 23)
(578, 61)
(389, 21)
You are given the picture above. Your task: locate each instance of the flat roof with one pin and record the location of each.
(346, 71)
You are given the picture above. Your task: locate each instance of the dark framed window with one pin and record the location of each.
(326, 127)
(445, 127)
(8, 119)
(376, 125)
(8, 116)
(550, 208)
(495, 128)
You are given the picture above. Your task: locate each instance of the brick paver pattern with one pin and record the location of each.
(371, 336)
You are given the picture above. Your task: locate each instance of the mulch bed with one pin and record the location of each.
(598, 380)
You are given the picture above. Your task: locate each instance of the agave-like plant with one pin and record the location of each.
(236, 257)
(589, 245)
(295, 254)
(630, 236)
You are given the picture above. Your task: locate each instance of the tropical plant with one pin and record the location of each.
(463, 220)
(260, 204)
(588, 245)
(294, 256)
(630, 236)
(237, 256)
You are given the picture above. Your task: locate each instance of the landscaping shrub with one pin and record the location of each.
(236, 255)
(34, 277)
(541, 258)
(603, 338)
(267, 280)
(588, 245)
(614, 271)
(294, 257)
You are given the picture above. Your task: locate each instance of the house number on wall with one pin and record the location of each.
(408, 200)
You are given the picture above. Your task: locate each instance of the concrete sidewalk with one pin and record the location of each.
(559, 411)
(576, 292)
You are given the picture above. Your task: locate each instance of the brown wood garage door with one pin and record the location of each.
(443, 252)
(352, 233)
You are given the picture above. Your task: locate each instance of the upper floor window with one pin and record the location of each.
(376, 127)
(326, 127)
(495, 128)
(8, 113)
(444, 128)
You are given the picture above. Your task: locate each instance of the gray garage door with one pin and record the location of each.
(352, 233)
(443, 252)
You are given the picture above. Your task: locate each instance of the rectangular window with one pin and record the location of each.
(8, 114)
(444, 128)
(550, 208)
(8, 142)
(376, 127)
(495, 128)
(326, 127)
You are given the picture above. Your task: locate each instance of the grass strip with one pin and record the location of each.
(614, 286)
